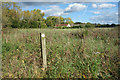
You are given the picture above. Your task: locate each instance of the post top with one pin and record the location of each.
(43, 35)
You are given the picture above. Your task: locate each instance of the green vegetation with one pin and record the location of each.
(78, 53)
(87, 52)
(14, 17)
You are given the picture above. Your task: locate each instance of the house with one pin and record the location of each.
(67, 25)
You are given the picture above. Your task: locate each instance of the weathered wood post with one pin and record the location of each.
(43, 50)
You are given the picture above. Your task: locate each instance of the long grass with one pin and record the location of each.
(71, 53)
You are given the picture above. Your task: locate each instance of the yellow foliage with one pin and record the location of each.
(22, 61)
(84, 76)
(43, 69)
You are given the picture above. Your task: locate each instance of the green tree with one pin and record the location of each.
(33, 19)
(68, 21)
(10, 14)
(49, 23)
(89, 25)
(26, 19)
(53, 20)
(37, 20)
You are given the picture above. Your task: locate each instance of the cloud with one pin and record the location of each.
(54, 11)
(116, 13)
(96, 12)
(94, 5)
(101, 6)
(38, 3)
(54, 6)
(106, 6)
(64, 0)
(75, 7)
(106, 18)
(57, 11)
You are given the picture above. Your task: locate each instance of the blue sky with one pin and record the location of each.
(94, 12)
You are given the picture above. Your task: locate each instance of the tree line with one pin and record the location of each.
(13, 16)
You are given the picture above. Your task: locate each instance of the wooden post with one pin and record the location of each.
(43, 50)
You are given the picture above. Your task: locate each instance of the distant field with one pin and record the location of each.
(75, 53)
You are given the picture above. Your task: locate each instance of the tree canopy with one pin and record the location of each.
(14, 17)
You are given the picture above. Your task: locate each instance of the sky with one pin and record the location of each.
(94, 12)
(63, 0)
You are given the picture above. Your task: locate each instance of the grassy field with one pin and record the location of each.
(71, 53)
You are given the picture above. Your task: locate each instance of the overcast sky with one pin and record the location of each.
(94, 12)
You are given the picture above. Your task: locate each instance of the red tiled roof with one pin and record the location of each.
(61, 24)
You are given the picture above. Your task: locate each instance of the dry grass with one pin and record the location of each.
(78, 53)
